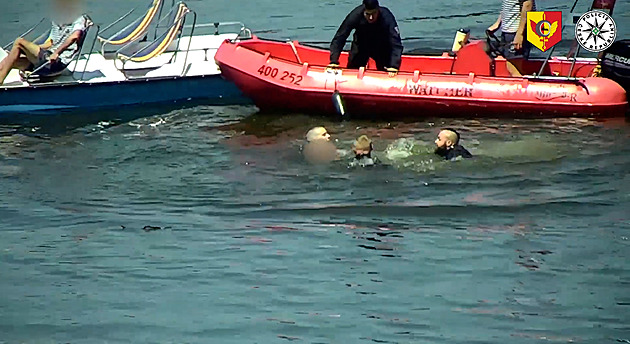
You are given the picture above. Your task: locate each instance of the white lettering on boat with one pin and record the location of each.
(272, 72)
(620, 59)
(515, 91)
(427, 90)
(546, 95)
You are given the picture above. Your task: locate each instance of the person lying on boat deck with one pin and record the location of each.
(58, 49)
(376, 35)
(448, 145)
(362, 149)
(319, 149)
(512, 21)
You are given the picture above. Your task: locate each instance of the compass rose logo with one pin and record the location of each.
(595, 31)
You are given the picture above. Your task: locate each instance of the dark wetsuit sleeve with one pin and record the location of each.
(458, 151)
(395, 43)
(466, 154)
(463, 152)
(339, 41)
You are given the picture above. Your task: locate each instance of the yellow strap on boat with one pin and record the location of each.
(140, 30)
(168, 39)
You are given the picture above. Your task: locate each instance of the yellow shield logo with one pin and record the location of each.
(544, 29)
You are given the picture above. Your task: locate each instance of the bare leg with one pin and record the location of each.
(13, 60)
(22, 63)
(29, 49)
(512, 69)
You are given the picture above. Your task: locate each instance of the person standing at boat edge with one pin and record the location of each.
(512, 21)
(376, 36)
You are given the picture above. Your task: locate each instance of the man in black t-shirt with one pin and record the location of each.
(376, 36)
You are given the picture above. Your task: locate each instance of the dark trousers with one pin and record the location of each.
(508, 51)
(359, 57)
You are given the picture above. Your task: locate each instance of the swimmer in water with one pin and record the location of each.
(317, 133)
(318, 148)
(362, 149)
(448, 145)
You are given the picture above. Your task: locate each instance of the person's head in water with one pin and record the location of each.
(317, 133)
(371, 10)
(447, 145)
(362, 147)
(447, 139)
(319, 149)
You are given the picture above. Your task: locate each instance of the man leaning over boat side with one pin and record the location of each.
(376, 36)
(512, 21)
(58, 49)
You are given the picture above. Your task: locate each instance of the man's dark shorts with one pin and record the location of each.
(508, 50)
(43, 57)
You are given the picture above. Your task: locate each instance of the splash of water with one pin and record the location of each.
(408, 153)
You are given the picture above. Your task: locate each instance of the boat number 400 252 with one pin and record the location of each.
(286, 76)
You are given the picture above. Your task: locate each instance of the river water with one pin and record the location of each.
(205, 224)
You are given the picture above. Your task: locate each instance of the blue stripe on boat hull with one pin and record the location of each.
(51, 98)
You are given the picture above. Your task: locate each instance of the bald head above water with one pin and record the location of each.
(447, 138)
(317, 133)
(451, 135)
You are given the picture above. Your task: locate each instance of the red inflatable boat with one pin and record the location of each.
(288, 76)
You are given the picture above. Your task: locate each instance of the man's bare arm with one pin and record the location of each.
(520, 33)
(69, 41)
